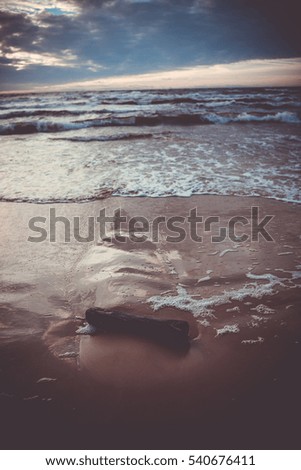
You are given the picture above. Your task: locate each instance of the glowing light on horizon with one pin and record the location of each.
(266, 72)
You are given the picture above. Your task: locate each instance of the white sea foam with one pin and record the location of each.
(150, 143)
(284, 116)
(259, 319)
(205, 307)
(227, 329)
(69, 354)
(233, 309)
(205, 323)
(263, 310)
(253, 341)
(55, 170)
(296, 275)
(86, 330)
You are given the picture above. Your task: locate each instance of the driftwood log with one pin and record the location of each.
(173, 333)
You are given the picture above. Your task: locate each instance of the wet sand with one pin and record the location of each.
(239, 384)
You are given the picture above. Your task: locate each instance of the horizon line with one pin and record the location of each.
(255, 73)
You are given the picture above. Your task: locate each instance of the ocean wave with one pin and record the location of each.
(32, 127)
(105, 192)
(284, 116)
(280, 117)
(37, 126)
(107, 138)
(120, 102)
(148, 120)
(176, 120)
(181, 144)
(40, 113)
(102, 193)
(175, 100)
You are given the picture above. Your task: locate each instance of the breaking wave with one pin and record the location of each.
(32, 127)
(79, 146)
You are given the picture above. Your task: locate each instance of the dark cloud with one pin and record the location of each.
(110, 37)
(16, 31)
(283, 17)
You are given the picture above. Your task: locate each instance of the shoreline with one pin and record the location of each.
(125, 385)
(127, 197)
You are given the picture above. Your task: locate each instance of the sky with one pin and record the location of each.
(144, 43)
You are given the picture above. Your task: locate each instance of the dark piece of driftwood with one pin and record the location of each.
(167, 332)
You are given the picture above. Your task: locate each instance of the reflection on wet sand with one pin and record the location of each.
(242, 303)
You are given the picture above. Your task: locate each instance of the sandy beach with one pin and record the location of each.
(238, 385)
(150, 242)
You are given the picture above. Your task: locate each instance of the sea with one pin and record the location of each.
(86, 145)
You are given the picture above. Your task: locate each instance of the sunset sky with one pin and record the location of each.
(146, 43)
